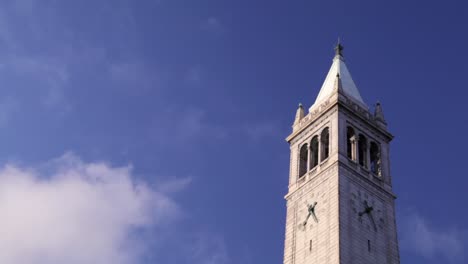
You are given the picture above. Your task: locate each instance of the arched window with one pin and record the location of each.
(362, 151)
(325, 141)
(351, 143)
(375, 161)
(314, 154)
(303, 157)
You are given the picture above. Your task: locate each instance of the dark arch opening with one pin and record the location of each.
(314, 154)
(303, 157)
(362, 151)
(325, 140)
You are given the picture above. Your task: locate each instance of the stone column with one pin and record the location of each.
(319, 156)
(379, 161)
(367, 165)
(353, 148)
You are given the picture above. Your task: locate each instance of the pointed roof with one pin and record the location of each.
(339, 70)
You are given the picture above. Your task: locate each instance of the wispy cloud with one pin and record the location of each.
(213, 24)
(183, 125)
(194, 74)
(8, 107)
(174, 184)
(42, 49)
(133, 72)
(45, 69)
(136, 76)
(209, 249)
(429, 241)
(262, 129)
(77, 212)
(49, 74)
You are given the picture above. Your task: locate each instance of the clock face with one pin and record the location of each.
(367, 209)
(311, 220)
(310, 209)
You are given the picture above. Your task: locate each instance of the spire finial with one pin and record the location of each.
(339, 49)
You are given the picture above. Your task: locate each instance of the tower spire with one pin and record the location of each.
(332, 81)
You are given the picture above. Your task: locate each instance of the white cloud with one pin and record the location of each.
(428, 241)
(76, 213)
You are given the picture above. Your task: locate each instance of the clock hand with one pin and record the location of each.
(372, 220)
(313, 206)
(366, 205)
(315, 217)
(312, 211)
(367, 209)
(307, 218)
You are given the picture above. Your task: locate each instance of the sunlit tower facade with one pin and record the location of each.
(340, 203)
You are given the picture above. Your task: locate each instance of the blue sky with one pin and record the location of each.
(153, 131)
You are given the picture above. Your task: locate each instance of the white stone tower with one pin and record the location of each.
(340, 204)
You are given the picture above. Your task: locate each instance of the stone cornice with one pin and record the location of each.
(343, 102)
(340, 164)
(311, 118)
(364, 115)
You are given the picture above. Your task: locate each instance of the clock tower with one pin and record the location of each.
(340, 203)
